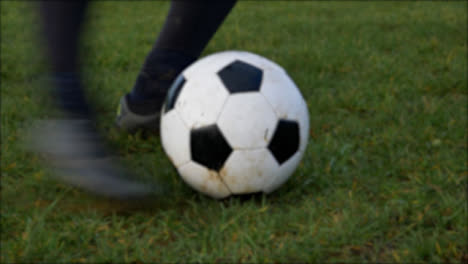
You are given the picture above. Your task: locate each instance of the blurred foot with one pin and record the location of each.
(77, 156)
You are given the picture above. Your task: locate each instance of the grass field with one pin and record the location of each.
(383, 180)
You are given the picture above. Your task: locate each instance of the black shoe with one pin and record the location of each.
(78, 157)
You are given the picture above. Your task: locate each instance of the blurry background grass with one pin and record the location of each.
(383, 179)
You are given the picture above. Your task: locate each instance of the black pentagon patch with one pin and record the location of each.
(241, 77)
(173, 92)
(285, 141)
(209, 147)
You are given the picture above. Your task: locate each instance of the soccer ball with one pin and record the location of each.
(234, 123)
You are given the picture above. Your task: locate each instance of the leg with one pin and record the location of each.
(188, 28)
(61, 24)
(72, 144)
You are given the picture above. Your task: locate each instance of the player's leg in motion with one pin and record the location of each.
(71, 141)
(61, 27)
(188, 28)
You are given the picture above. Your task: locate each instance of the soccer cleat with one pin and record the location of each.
(141, 115)
(77, 156)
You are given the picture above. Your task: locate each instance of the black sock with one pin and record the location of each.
(61, 27)
(191, 24)
(62, 21)
(70, 95)
(188, 28)
(158, 72)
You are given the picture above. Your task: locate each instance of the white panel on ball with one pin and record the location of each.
(248, 171)
(287, 100)
(247, 121)
(210, 65)
(283, 94)
(201, 100)
(175, 138)
(203, 180)
(283, 173)
(304, 128)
